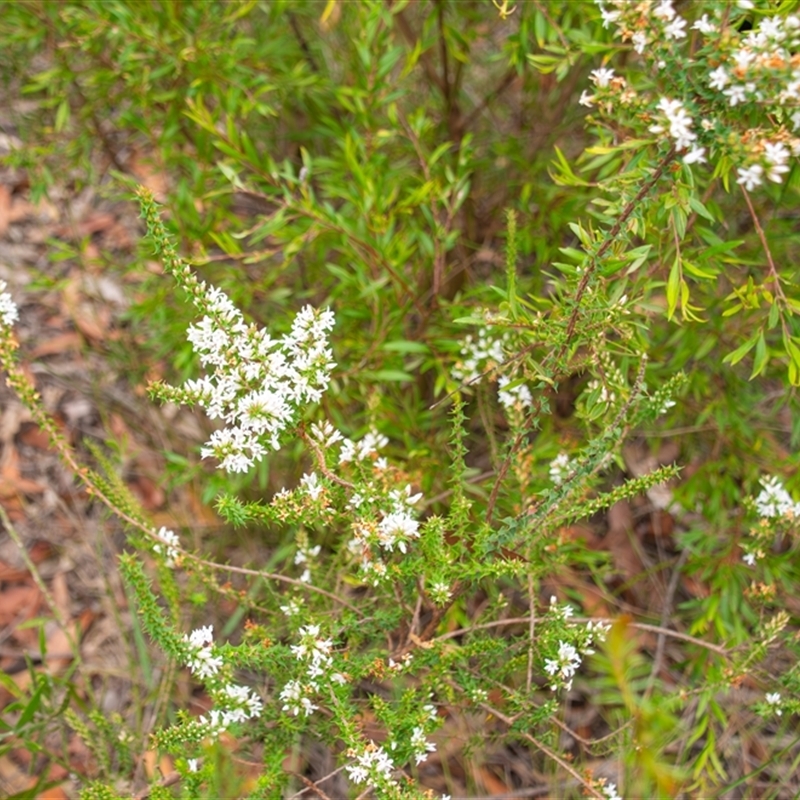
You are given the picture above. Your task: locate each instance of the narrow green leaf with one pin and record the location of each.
(673, 287)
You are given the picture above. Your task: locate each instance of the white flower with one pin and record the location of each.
(242, 703)
(193, 765)
(680, 122)
(743, 58)
(774, 699)
(560, 468)
(704, 25)
(564, 667)
(719, 79)
(421, 745)
(397, 528)
(736, 94)
(749, 559)
(9, 313)
(675, 29)
(255, 383)
(609, 16)
(201, 659)
(601, 77)
(440, 592)
(639, 41)
(774, 501)
(586, 99)
(610, 791)
(516, 397)
(169, 547)
(291, 609)
(777, 154)
(697, 155)
(311, 485)
(750, 176)
(664, 10)
(296, 700)
(373, 766)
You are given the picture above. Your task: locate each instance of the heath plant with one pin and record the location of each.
(413, 582)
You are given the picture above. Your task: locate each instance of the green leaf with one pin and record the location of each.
(388, 375)
(740, 352)
(761, 356)
(406, 346)
(673, 287)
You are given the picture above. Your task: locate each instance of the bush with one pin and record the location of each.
(452, 312)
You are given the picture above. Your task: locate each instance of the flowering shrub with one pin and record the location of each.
(432, 490)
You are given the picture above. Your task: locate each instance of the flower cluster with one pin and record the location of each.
(365, 448)
(201, 659)
(563, 667)
(610, 792)
(314, 653)
(255, 383)
(481, 357)
(234, 703)
(679, 124)
(305, 555)
(168, 546)
(392, 526)
(373, 766)
(573, 642)
(774, 501)
(773, 699)
(776, 509)
(757, 71)
(380, 514)
(9, 313)
(560, 468)
(420, 745)
(297, 697)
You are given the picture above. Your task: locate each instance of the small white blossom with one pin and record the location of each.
(202, 661)
(586, 99)
(639, 41)
(719, 79)
(169, 546)
(516, 397)
(664, 10)
(736, 94)
(774, 699)
(601, 77)
(373, 766)
(421, 745)
(9, 313)
(751, 176)
(697, 155)
(397, 528)
(610, 792)
(311, 485)
(564, 666)
(777, 155)
(774, 501)
(296, 699)
(704, 25)
(676, 28)
(560, 468)
(609, 16)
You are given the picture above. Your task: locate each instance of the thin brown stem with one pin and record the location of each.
(609, 240)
